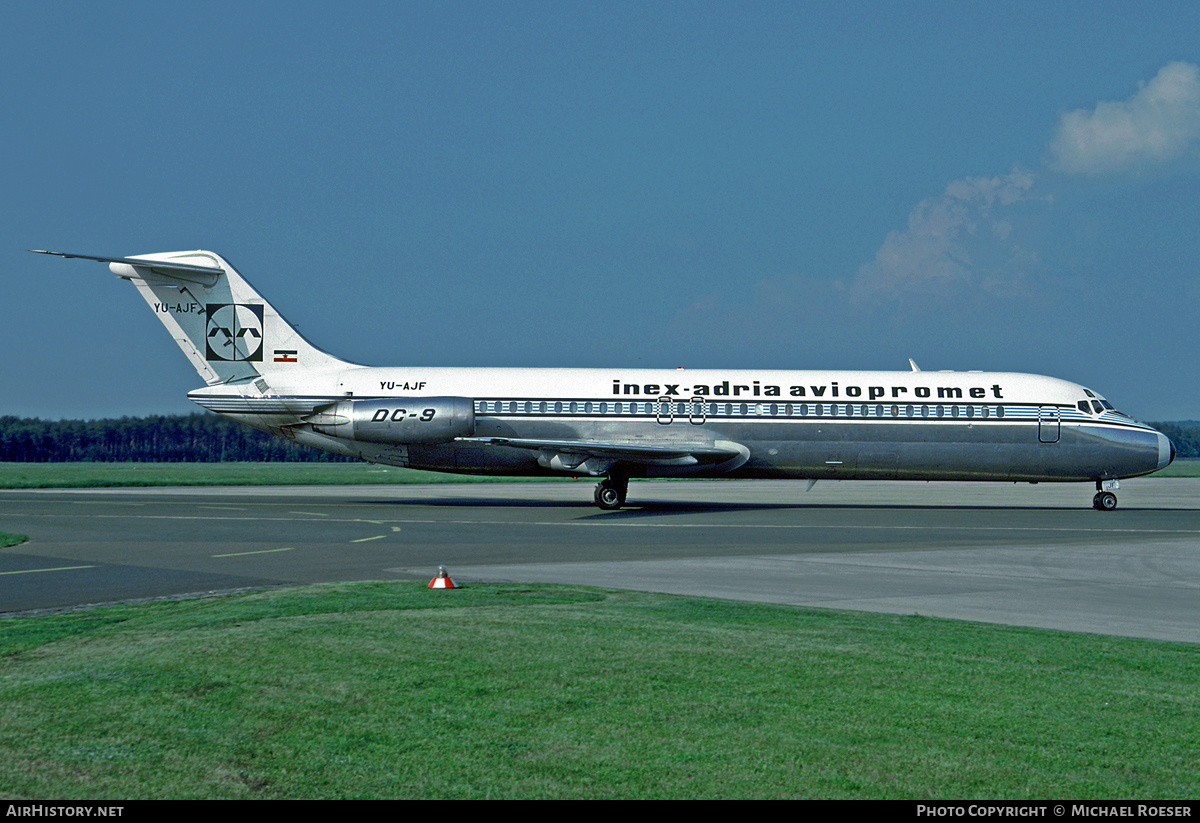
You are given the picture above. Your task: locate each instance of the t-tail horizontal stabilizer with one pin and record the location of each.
(161, 267)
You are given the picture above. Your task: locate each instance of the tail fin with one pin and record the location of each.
(224, 327)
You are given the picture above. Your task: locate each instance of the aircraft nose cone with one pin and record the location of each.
(1166, 451)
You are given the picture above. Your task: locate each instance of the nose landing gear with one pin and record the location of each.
(1105, 500)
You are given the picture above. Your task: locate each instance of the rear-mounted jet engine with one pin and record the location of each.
(398, 420)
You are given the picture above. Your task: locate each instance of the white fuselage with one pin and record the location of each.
(809, 424)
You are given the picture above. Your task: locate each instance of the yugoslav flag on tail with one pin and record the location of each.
(225, 327)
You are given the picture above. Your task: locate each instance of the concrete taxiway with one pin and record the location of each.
(1014, 554)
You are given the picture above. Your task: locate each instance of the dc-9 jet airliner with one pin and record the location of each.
(621, 423)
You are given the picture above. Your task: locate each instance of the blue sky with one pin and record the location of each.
(997, 186)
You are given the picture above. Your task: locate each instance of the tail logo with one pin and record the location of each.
(235, 332)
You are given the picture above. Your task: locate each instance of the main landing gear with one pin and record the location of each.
(610, 492)
(1105, 500)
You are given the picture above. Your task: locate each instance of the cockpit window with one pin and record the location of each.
(1097, 404)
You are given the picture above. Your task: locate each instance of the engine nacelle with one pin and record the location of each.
(398, 420)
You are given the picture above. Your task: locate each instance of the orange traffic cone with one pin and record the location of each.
(442, 581)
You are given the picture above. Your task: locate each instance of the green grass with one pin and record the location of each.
(1182, 467)
(394, 690)
(9, 539)
(96, 475)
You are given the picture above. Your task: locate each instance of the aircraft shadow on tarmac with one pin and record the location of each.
(655, 508)
(634, 508)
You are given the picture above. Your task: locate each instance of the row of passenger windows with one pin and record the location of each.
(696, 408)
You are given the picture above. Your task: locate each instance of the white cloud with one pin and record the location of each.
(954, 244)
(1160, 122)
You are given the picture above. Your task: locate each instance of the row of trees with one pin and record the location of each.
(192, 438)
(208, 438)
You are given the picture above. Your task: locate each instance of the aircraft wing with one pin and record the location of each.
(595, 456)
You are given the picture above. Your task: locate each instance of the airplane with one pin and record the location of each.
(616, 423)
